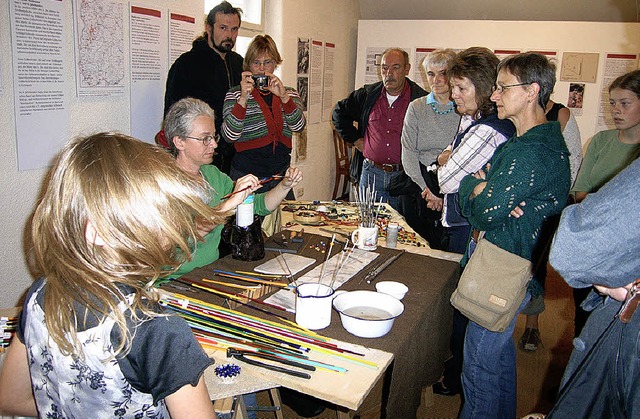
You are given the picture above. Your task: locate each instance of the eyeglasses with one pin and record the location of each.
(500, 89)
(206, 140)
(266, 63)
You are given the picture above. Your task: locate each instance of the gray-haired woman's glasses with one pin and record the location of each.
(205, 140)
(501, 89)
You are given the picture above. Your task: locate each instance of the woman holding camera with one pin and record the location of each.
(261, 114)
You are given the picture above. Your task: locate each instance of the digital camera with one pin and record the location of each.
(261, 81)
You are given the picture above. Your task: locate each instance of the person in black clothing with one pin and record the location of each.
(209, 70)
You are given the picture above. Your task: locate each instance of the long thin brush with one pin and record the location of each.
(340, 264)
(289, 273)
(262, 182)
(324, 265)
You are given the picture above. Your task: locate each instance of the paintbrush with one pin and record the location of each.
(262, 182)
(272, 276)
(228, 284)
(324, 265)
(226, 274)
(286, 265)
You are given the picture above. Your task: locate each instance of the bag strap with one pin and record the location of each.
(535, 267)
(631, 303)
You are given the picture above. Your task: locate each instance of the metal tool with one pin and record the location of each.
(262, 182)
(242, 356)
(371, 276)
(184, 287)
(279, 243)
(336, 231)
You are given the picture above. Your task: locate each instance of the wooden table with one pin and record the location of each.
(419, 339)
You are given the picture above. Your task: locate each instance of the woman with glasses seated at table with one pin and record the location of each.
(260, 119)
(189, 126)
(532, 166)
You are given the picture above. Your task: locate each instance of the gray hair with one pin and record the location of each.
(531, 67)
(402, 52)
(439, 58)
(179, 119)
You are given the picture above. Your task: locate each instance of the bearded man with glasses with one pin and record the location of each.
(209, 70)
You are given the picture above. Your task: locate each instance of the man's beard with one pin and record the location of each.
(224, 48)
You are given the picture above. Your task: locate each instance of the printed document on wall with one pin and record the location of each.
(41, 101)
(372, 67)
(182, 31)
(315, 84)
(148, 61)
(99, 44)
(327, 83)
(302, 79)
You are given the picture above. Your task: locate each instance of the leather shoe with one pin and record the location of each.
(441, 389)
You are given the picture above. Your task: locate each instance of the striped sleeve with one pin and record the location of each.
(295, 117)
(232, 116)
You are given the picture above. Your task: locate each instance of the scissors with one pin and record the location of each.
(242, 356)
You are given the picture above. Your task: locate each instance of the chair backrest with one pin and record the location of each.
(342, 151)
(342, 166)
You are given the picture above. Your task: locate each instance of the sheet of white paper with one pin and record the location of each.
(278, 266)
(358, 260)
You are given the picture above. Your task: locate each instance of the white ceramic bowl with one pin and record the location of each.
(367, 314)
(392, 288)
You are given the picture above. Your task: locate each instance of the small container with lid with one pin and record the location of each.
(392, 235)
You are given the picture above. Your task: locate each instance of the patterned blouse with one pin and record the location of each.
(103, 385)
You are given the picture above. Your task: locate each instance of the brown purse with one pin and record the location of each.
(492, 286)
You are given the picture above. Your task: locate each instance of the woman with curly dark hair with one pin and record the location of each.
(472, 77)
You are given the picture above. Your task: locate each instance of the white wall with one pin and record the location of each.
(19, 189)
(287, 20)
(546, 36)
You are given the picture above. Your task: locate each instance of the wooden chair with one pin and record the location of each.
(342, 167)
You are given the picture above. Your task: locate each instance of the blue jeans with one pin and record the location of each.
(458, 237)
(380, 181)
(489, 371)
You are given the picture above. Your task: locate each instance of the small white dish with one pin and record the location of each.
(395, 289)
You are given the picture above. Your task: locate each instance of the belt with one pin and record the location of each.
(387, 167)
